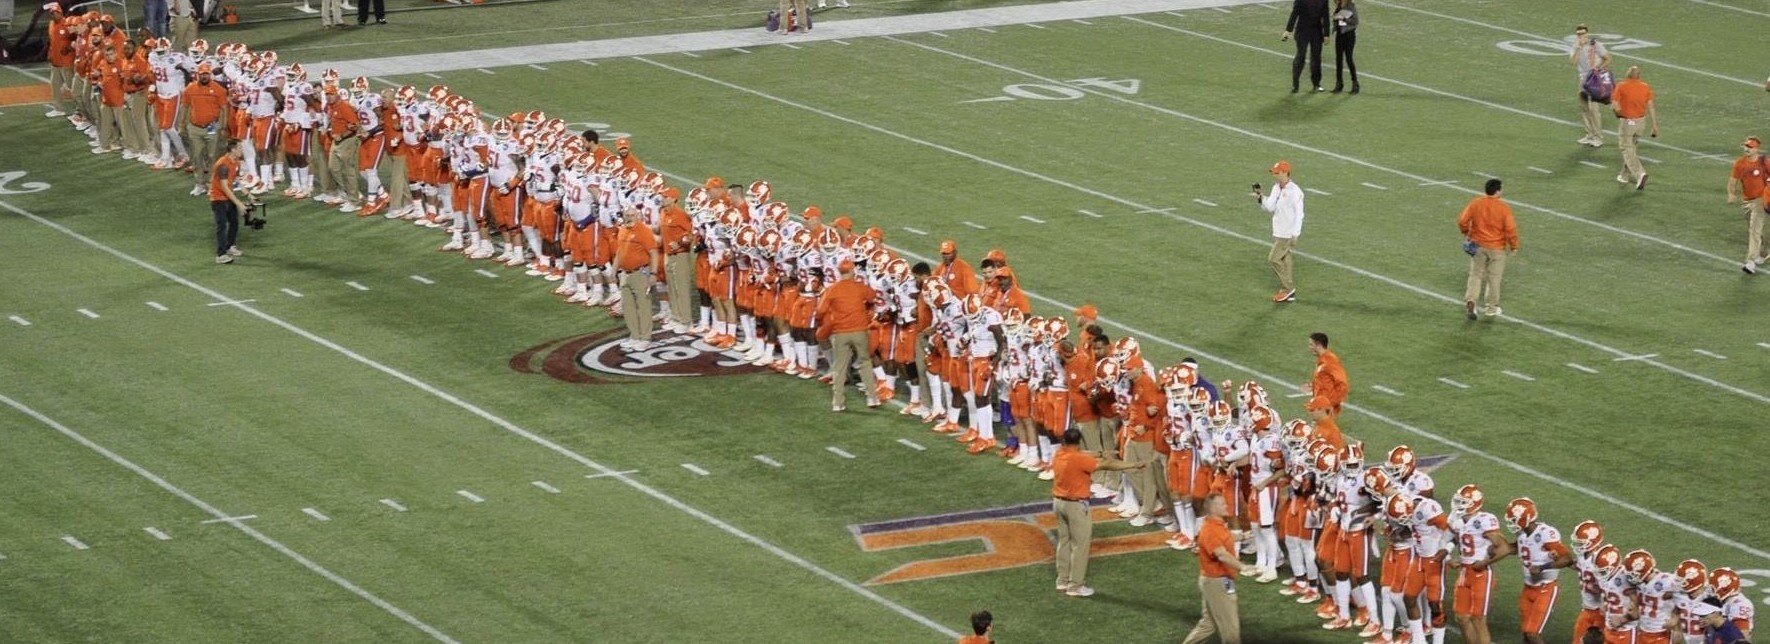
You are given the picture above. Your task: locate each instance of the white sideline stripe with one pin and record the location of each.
(424, 280)
(483, 70)
(1204, 203)
(70, 540)
(1373, 186)
(1387, 390)
(292, 292)
(622, 474)
(695, 468)
(915, 231)
(1728, 6)
(1580, 367)
(768, 461)
(1541, 170)
(157, 306)
(1711, 354)
(213, 511)
(1219, 229)
(545, 487)
(1096, 215)
(1422, 88)
(1537, 37)
(537, 67)
(1266, 377)
(911, 444)
(1519, 376)
(486, 273)
(19, 321)
(1035, 220)
(231, 519)
(317, 516)
(88, 313)
(393, 504)
(157, 534)
(737, 39)
(838, 451)
(974, 225)
(470, 496)
(1592, 164)
(1643, 356)
(356, 286)
(1323, 193)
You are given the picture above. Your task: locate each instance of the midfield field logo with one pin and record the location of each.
(1012, 537)
(598, 358)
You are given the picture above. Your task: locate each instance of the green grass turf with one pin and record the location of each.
(256, 420)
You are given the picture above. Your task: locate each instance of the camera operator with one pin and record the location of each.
(226, 204)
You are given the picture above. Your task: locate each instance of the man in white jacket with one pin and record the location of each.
(1286, 205)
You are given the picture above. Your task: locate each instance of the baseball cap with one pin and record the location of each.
(715, 182)
(623, 143)
(1004, 272)
(1281, 167)
(949, 246)
(1087, 311)
(1318, 402)
(996, 254)
(844, 223)
(673, 193)
(846, 265)
(813, 212)
(1752, 142)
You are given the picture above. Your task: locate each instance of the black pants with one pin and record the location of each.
(1343, 55)
(227, 225)
(362, 10)
(1307, 45)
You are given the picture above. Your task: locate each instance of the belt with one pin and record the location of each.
(1064, 498)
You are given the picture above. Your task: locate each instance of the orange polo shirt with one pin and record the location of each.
(846, 306)
(1145, 395)
(138, 75)
(343, 118)
(1487, 221)
(633, 247)
(206, 102)
(959, 276)
(1328, 430)
(226, 169)
(110, 83)
(1630, 98)
(974, 639)
(61, 43)
(1078, 373)
(1751, 175)
(1072, 473)
(678, 231)
(1330, 379)
(1214, 534)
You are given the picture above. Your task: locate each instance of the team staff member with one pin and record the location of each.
(1487, 222)
(225, 204)
(1218, 566)
(1329, 382)
(1633, 100)
(981, 623)
(1346, 23)
(1588, 54)
(205, 109)
(1286, 205)
(343, 127)
(1749, 176)
(844, 314)
(636, 252)
(1072, 472)
(61, 59)
(1309, 24)
(955, 271)
(112, 103)
(678, 241)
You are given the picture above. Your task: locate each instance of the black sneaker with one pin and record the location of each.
(1469, 310)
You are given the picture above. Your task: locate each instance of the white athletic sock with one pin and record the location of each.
(1367, 596)
(1343, 598)
(936, 393)
(1044, 449)
(879, 373)
(986, 423)
(787, 353)
(952, 411)
(1309, 562)
(915, 395)
(748, 324)
(804, 353)
(1294, 551)
(178, 144)
(1188, 519)
(1388, 612)
(812, 352)
(165, 145)
(371, 184)
(767, 351)
(971, 409)
(1438, 635)
(1418, 628)
(277, 170)
(534, 237)
(706, 316)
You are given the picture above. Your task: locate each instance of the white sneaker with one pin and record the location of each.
(55, 114)
(234, 250)
(1079, 591)
(1622, 179)
(1166, 521)
(129, 154)
(626, 345)
(224, 259)
(1047, 475)
(349, 206)
(641, 345)
(1750, 268)
(1128, 513)
(452, 245)
(1266, 576)
(480, 253)
(762, 361)
(1140, 521)
(196, 191)
(579, 297)
(328, 198)
(1492, 312)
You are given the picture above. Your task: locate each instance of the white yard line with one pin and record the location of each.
(397, 507)
(1731, 7)
(238, 525)
(157, 533)
(1592, 164)
(356, 286)
(838, 451)
(1322, 193)
(1541, 170)
(1202, 202)
(18, 320)
(1035, 220)
(157, 306)
(88, 313)
(1453, 383)
(1090, 213)
(1373, 186)
(470, 496)
(423, 280)
(486, 273)
(765, 460)
(1519, 376)
(911, 444)
(975, 225)
(316, 514)
(76, 543)
(1387, 390)
(1263, 242)
(292, 292)
(545, 487)
(695, 468)
(1711, 354)
(914, 231)
(1580, 367)
(238, 519)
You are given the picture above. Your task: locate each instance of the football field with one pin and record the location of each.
(348, 436)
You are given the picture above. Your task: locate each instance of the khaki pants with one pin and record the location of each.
(110, 126)
(1143, 481)
(1075, 531)
(1628, 137)
(204, 145)
(342, 164)
(319, 163)
(1489, 267)
(845, 349)
(1589, 117)
(184, 30)
(1280, 260)
(636, 304)
(1220, 614)
(135, 122)
(679, 286)
(1096, 440)
(60, 79)
(331, 12)
(1754, 232)
(399, 193)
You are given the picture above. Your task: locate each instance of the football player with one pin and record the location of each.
(1266, 471)
(1542, 554)
(1478, 545)
(1588, 628)
(1352, 582)
(1735, 606)
(169, 80)
(1693, 588)
(1656, 605)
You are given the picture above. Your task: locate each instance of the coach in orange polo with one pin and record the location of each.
(1488, 224)
(1750, 174)
(1633, 101)
(1073, 472)
(1217, 567)
(679, 258)
(844, 313)
(1328, 385)
(636, 252)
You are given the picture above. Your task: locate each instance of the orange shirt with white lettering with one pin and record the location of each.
(1072, 473)
(633, 247)
(1630, 98)
(846, 306)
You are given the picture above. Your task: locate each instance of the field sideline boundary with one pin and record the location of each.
(223, 517)
(620, 475)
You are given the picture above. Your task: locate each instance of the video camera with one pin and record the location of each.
(255, 207)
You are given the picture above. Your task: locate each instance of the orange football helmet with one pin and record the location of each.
(1587, 536)
(1692, 576)
(1401, 462)
(1725, 582)
(1468, 500)
(1520, 513)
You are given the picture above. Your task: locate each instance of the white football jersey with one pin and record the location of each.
(1738, 608)
(1617, 604)
(1533, 550)
(1419, 484)
(1472, 532)
(1657, 596)
(1430, 528)
(169, 76)
(1591, 596)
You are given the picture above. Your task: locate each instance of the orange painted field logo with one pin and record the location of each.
(1011, 537)
(598, 358)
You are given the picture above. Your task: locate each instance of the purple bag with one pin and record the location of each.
(774, 21)
(1598, 86)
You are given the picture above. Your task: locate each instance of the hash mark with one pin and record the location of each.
(911, 444)
(1387, 390)
(1080, 21)
(1035, 220)
(1519, 376)
(691, 54)
(70, 540)
(432, 75)
(1035, 25)
(695, 468)
(589, 62)
(1372, 186)
(315, 514)
(1323, 193)
(534, 66)
(393, 504)
(1647, 158)
(1221, 10)
(157, 306)
(1205, 203)
(1484, 175)
(767, 461)
(1711, 354)
(544, 486)
(1765, 345)
(424, 280)
(292, 292)
(838, 451)
(986, 30)
(19, 321)
(1453, 383)
(1592, 164)
(157, 534)
(89, 313)
(356, 286)
(1090, 213)
(1580, 367)
(977, 226)
(939, 34)
(1542, 170)
(915, 231)
(470, 496)
(740, 50)
(483, 70)
(789, 45)
(840, 42)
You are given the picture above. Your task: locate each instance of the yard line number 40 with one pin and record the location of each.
(1065, 91)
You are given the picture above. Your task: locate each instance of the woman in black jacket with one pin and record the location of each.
(1345, 21)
